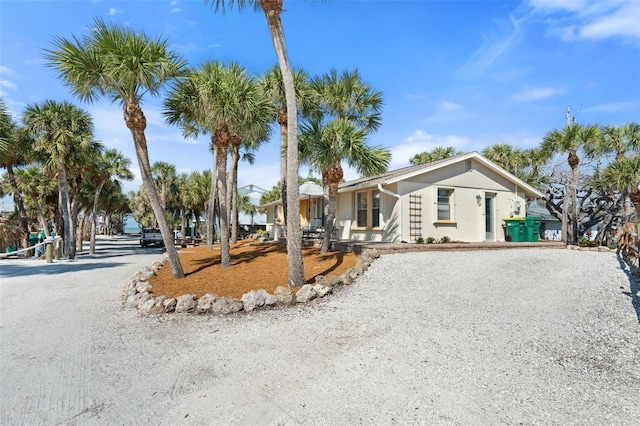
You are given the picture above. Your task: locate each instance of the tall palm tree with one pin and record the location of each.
(348, 110)
(273, 87)
(437, 153)
(506, 156)
(618, 140)
(570, 140)
(223, 101)
(123, 65)
(14, 151)
(111, 165)
(60, 129)
(623, 175)
(325, 146)
(165, 174)
(35, 186)
(272, 10)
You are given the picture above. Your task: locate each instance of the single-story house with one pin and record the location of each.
(464, 198)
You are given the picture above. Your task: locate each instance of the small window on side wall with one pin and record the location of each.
(444, 204)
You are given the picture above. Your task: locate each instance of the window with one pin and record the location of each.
(361, 209)
(375, 209)
(368, 209)
(444, 204)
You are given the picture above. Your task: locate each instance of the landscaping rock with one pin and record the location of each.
(204, 303)
(226, 305)
(147, 305)
(170, 305)
(305, 293)
(283, 294)
(322, 289)
(253, 299)
(186, 303)
(270, 300)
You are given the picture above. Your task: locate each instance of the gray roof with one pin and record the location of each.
(374, 180)
(411, 171)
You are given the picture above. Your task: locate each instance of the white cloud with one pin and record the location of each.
(7, 84)
(114, 11)
(530, 94)
(421, 141)
(450, 106)
(623, 22)
(614, 107)
(575, 20)
(493, 47)
(176, 10)
(6, 70)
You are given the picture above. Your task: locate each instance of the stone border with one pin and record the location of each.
(137, 292)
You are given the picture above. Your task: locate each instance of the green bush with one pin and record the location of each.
(444, 239)
(431, 240)
(420, 240)
(262, 233)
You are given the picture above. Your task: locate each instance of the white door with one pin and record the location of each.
(489, 217)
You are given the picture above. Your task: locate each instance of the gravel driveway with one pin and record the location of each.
(525, 336)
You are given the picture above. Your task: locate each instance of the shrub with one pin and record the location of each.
(431, 240)
(420, 240)
(262, 233)
(444, 239)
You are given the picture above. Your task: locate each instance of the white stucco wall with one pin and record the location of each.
(468, 181)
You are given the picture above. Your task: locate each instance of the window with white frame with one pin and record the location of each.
(361, 209)
(445, 198)
(375, 209)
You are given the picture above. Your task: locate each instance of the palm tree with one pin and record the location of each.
(224, 101)
(14, 151)
(437, 153)
(272, 10)
(348, 111)
(123, 65)
(255, 131)
(618, 140)
(506, 156)
(570, 140)
(623, 175)
(60, 129)
(165, 174)
(35, 185)
(273, 87)
(111, 164)
(325, 147)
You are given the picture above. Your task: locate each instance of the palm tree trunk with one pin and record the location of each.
(80, 233)
(212, 204)
(69, 237)
(575, 175)
(136, 122)
(94, 218)
(331, 214)
(232, 188)
(221, 136)
(284, 128)
(272, 9)
(19, 203)
(75, 209)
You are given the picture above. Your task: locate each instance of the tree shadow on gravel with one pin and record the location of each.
(634, 283)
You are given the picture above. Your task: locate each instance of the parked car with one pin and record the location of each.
(151, 236)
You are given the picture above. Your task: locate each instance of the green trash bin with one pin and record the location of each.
(515, 230)
(532, 231)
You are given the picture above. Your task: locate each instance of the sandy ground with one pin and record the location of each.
(492, 337)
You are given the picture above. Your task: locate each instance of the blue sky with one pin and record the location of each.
(466, 74)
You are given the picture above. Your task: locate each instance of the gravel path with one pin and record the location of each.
(490, 337)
